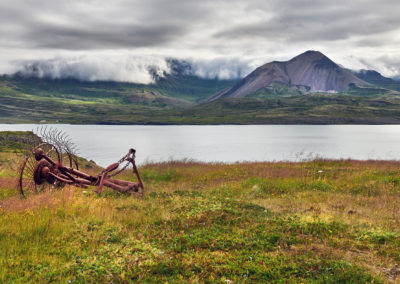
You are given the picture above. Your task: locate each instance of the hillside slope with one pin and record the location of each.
(73, 101)
(300, 109)
(375, 78)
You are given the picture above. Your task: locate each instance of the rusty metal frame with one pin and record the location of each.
(46, 170)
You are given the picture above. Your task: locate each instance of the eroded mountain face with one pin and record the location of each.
(311, 71)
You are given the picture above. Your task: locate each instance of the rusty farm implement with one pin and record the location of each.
(51, 163)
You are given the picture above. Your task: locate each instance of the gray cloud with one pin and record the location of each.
(85, 38)
(308, 21)
(120, 24)
(223, 38)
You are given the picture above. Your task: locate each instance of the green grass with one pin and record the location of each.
(311, 222)
(172, 236)
(15, 141)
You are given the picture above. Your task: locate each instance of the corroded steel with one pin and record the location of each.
(43, 168)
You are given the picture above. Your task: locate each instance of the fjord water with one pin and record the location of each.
(106, 144)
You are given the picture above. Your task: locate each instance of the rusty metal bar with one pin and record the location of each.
(46, 170)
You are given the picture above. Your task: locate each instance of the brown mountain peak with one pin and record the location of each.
(311, 70)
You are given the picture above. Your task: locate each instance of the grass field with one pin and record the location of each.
(314, 221)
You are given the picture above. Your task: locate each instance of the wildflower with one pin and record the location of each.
(320, 171)
(251, 258)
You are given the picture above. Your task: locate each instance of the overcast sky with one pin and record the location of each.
(119, 39)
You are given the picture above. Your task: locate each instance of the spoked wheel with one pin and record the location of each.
(26, 182)
(72, 161)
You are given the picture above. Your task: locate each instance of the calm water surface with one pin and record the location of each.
(106, 144)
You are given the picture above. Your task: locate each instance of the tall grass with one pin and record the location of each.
(316, 221)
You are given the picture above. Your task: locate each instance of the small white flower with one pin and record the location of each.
(320, 171)
(255, 187)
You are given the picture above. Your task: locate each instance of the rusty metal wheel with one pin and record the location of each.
(26, 181)
(62, 142)
(72, 160)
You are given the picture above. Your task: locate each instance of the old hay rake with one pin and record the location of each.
(52, 163)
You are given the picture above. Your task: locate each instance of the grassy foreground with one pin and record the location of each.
(318, 221)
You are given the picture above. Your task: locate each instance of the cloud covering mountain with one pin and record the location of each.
(60, 35)
(134, 69)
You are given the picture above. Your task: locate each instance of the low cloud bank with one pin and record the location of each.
(133, 69)
(129, 69)
(144, 69)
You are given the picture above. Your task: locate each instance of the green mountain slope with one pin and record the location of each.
(170, 89)
(301, 109)
(190, 88)
(69, 100)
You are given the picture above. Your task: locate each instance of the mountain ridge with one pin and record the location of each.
(310, 71)
(375, 78)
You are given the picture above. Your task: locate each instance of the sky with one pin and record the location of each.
(120, 39)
